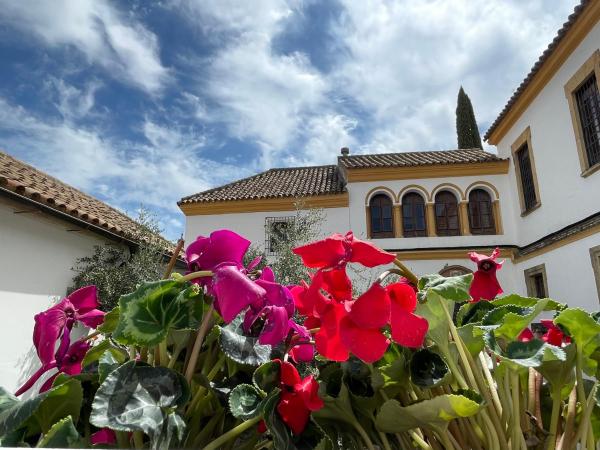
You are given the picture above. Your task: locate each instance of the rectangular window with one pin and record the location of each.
(583, 96)
(595, 255)
(526, 175)
(588, 105)
(536, 282)
(276, 230)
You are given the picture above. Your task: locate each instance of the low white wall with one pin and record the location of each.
(36, 256)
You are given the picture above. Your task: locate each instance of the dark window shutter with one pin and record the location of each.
(413, 215)
(481, 213)
(446, 214)
(382, 222)
(588, 104)
(527, 183)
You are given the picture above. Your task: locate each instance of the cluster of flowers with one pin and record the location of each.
(54, 326)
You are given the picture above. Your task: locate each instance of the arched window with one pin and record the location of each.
(382, 222)
(413, 215)
(446, 214)
(481, 213)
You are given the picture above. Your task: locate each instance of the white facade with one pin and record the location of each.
(35, 271)
(566, 198)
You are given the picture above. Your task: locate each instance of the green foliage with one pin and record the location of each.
(117, 271)
(428, 369)
(240, 348)
(244, 401)
(466, 125)
(63, 434)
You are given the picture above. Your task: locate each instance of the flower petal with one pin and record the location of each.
(326, 253)
(276, 327)
(302, 353)
(337, 283)
(91, 318)
(84, 299)
(371, 309)
(105, 436)
(289, 375)
(293, 411)
(367, 344)
(308, 388)
(327, 339)
(525, 336)
(48, 328)
(223, 246)
(234, 291)
(408, 329)
(485, 286)
(369, 255)
(403, 296)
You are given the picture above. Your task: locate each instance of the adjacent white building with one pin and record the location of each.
(45, 225)
(538, 199)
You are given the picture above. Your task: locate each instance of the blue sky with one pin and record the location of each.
(144, 102)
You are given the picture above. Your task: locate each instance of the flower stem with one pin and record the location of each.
(363, 434)
(194, 275)
(419, 440)
(582, 431)
(233, 433)
(163, 353)
(406, 271)
(556, 407)
(202, 331)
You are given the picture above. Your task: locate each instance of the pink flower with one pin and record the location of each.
(222, 246)
(57, 322)
(105, 436)
(69, 363)
(485, 285)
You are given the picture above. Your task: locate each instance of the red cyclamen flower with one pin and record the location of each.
(526, 335)
(485, 285)
(298, 397)
(554, 335)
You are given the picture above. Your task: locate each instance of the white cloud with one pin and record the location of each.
(125, 48)
(74, 103)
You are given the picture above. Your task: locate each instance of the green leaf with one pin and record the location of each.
(560, 373)
(528, 302)
(428, 369)
(433, 311)
(584, 330)
(266, 376)
(62, 401)
(96, 352)
(433, 414)
(15, 412)
(244, 401)
(107, 364)
(282, 436)
(472, 336)
(242, 349)
(524, 354)
(138, 397)
(473, 312)
(111, 319)
(63, 434)
(450, 288)
(513, 319)
(153, 308)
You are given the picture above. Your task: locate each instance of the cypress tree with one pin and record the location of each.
(466, 125)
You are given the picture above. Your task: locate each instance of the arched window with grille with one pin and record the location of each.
(481, 212)
(413, 215)
(446, 214)
(381, 216)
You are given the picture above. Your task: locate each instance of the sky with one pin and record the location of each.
(142, 103)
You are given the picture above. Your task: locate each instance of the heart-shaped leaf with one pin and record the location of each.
(450, 288)
(434, 414)
(240, 348)
(97, 350)
(147, 314)
(428, 369)
(524, 354)
(266, 376)
(244, 401)
(512, 319)
(14, 412)
(585, 332)
(62, 400)
(107, 364)
(63, 434)
(138, 397)
(111, 320)
(473, 312)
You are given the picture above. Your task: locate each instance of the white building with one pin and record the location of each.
(538, 199)
(45, 225)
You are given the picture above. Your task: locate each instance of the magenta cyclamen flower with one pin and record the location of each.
(56, 322)
(222, 246)
(69, 363)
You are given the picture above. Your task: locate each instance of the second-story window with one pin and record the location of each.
(382, 222)
(413, 215)
(277, 230)
(588, 104)
(446, 214)
(481, 213)
(527, 181)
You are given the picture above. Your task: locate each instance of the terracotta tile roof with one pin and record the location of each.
(276, 183)
(409, 159)
(35, 185)
(537, 66)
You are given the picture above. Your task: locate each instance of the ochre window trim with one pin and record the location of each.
(529, 279)
(525, 138)
(595, 255)
(591, 66)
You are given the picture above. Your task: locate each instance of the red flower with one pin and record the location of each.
(526, 335)
(554, 335)
(298, 397)
(485, 284)
(337, 250)
(408, 329)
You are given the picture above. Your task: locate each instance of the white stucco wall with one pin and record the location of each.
(252, 225)
(36, 256)
(566, 197)
(358, 220)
